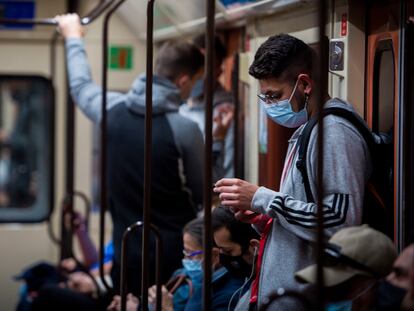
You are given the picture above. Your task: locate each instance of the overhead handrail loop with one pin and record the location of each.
(88, 207)
(321, 76)
(209, 89)
(87, 204)
(89, 18)
(66, 231)
(103, 139)
(158, 263)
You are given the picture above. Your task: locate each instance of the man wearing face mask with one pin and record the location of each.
(238, 243)
(287, 220)
(177, 147)
(396, 291)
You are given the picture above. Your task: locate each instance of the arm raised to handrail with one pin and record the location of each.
(89, 18)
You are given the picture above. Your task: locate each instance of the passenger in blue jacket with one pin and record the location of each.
(176, 152)
(184, 291)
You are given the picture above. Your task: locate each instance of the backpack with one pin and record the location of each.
(378, 197)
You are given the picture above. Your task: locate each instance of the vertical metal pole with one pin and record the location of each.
(147, 157)
(67, 211)
(322, 77)
(52, 64)
(52, 68)
(103, 138)
(400, 173)
(236, 102)
(209, 70)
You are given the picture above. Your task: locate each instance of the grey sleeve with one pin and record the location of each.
(85, 92)
(346, 168)
(189, 141)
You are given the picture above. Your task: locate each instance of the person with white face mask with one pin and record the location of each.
(286, 218)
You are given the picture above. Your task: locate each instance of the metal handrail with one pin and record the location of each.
(88, 207)
(238, 173)
(103, 139)
(52, 63)
(147, 154)
(207, 237)
(321, 76)
(87, 204)
(158, 262)
(89, 18)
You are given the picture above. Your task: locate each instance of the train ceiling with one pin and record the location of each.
(173, 18)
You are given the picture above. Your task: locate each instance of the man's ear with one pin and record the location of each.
(307, 83)
(182, 80)
(254, 245)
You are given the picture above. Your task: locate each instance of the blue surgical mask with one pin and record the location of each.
(339, 306)
(193, 268)
(346, 305)
(282, 112)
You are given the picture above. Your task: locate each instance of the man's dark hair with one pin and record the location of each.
(176, 58)
(240, 232)
(220, 48)
(282, 56)
(195, 229)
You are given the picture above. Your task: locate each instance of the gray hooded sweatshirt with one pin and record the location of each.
(166, 99)
(177, 156)
(290, 243)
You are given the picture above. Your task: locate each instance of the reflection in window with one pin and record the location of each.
(26, 148)
(18, 138)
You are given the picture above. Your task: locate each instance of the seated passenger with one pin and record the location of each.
(184, 289)
(356, 259)
(396, 292)
(238, 243)
(72, 284)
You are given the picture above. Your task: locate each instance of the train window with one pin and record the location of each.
(384, 76)
(26, 148)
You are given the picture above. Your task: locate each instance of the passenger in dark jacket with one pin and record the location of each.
(176, 151)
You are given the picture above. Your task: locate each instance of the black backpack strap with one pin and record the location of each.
(301, 162)
(305, 137)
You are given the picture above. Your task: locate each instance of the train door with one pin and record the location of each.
(382, 89)
(408, 129)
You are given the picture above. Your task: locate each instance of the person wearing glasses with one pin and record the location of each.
(184, 290)
(286, 217)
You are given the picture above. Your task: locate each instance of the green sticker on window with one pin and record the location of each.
(120, 57)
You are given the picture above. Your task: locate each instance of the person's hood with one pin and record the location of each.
(165, 96)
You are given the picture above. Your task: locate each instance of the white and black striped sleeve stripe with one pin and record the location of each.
(335, 209)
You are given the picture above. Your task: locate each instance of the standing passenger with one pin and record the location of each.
(176, 152)
(283, 66)
(223, 110)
